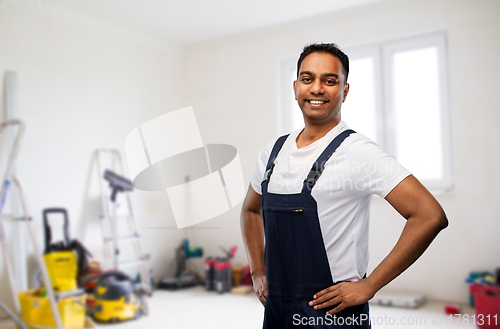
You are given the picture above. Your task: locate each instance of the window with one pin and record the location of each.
(399, 98)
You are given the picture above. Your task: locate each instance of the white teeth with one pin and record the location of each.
(316, 102)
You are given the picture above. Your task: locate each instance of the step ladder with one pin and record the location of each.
(111, 220)
(8, 179)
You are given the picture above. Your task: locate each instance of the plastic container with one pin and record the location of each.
(236, 273)
(209, 273)
(36, 310)
(487, 301)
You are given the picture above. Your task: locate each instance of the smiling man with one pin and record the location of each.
(310, 198)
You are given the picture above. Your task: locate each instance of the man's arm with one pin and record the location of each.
(252, 230)
(424, 219)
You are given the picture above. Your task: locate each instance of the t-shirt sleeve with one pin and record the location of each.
(260, 168)
(374, 170)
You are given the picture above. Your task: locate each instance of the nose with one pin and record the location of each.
(317, 88)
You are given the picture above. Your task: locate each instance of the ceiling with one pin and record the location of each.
(191, 21)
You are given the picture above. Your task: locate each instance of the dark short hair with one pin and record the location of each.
(328, 48)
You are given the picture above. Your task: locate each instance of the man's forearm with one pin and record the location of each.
(417, 235)
(252, 230)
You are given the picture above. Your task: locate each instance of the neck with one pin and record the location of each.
(312, 132)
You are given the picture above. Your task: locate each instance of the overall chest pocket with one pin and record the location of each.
(285, 224)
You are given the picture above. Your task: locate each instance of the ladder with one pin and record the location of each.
(111, 220)
(9, 178)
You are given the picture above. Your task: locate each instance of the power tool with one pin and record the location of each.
(183, 277)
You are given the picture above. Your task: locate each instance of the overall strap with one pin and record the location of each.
(270, 163)
(319, 164)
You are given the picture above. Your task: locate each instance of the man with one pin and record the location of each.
(316, 185)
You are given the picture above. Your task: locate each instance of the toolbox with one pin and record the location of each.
(487, 302)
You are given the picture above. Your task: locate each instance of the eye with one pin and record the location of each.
(331, 82)
(305, 79)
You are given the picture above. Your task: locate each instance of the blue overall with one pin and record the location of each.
(295, 257)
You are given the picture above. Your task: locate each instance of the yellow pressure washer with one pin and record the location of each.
(116, 297)
(66, 260)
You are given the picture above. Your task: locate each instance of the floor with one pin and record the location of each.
(196, 308)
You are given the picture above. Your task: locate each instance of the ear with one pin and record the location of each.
(295, 89)
(346, 91)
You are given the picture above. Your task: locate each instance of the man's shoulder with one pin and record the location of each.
(269, 146)
(359, 141)
(359, 146)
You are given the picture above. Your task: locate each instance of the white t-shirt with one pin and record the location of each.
(358, 169)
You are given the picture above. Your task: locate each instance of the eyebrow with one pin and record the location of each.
(324, 75)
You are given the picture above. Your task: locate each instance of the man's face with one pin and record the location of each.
(320, 88)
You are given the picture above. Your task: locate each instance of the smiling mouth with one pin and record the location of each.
(316, 102)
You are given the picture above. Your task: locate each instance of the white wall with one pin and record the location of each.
(233, 86)
(83, 85)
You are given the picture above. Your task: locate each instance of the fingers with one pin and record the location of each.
(263, 295)
(327, 290)
(328, 295)
(339, 308)
(327, 300)
(333, 296)
(340, 296)
(260, 289)
(325, 294)
(263, 299)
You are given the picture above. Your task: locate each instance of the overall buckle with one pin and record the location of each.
(312, 177)
(267, 174)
